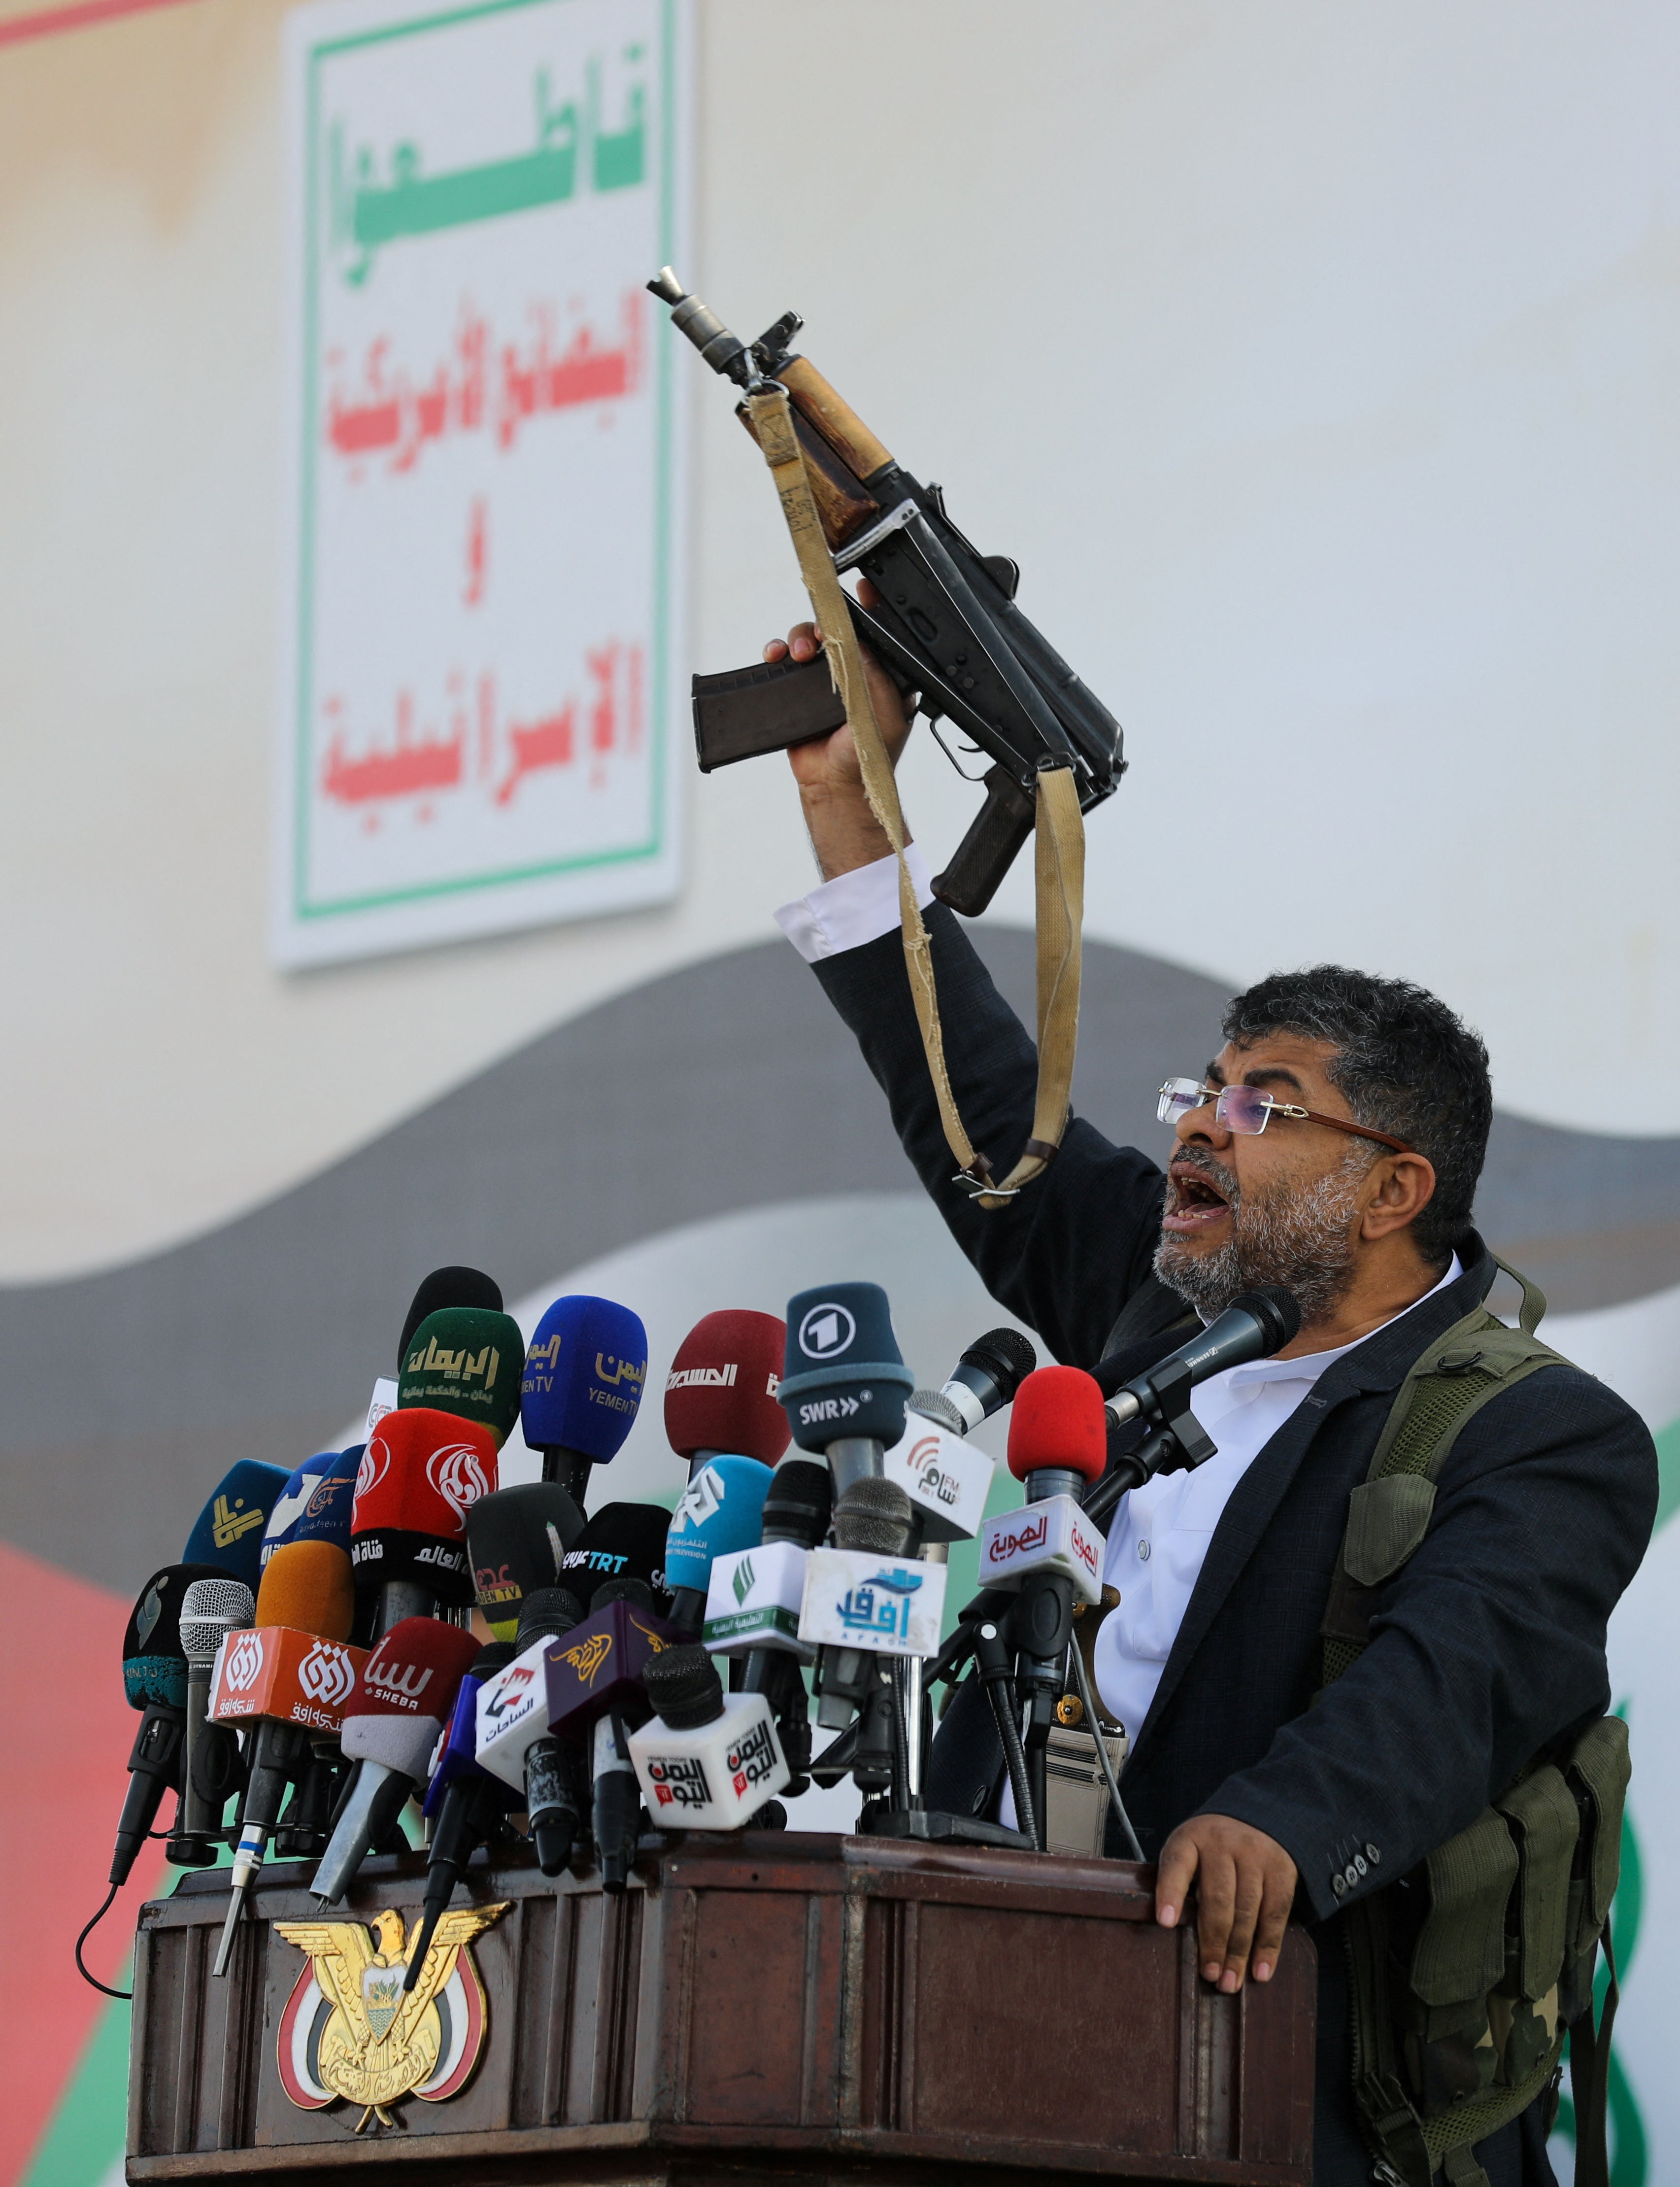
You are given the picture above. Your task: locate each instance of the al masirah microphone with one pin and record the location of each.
(982, 1382)
(288, 1676)
(1254, 1326)
(517, 1540)
(845, 1383)
(422, 1471)
(448, 1287)
(467, 1361)
(585, 1369)
(719, 1512)
(720, 1395)
(228, 1534)
(391, 1724)
(464, 1804)
(211, 1607)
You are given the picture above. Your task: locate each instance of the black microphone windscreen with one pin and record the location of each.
(153, 1658)
(799, 1502)
(874, 1515)
(544, 1614)
(445, 1287)
(621, 1541)
(1006, 1355)
(489, 1660)
(1277, 1312)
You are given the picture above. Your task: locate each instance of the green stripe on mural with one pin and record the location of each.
(85, 2136)
(1668, 1472)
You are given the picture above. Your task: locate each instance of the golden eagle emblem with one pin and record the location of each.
(349, 2029)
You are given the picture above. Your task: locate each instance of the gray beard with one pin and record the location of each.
(1300, 1237)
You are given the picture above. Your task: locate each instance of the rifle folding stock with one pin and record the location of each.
(945, 625)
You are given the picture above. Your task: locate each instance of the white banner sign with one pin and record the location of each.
(481, 724)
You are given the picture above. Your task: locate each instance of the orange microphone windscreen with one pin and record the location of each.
(307, 1586)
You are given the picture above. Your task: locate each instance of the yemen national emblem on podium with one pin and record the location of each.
(349, 2030)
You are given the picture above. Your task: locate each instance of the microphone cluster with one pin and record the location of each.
(388, 1629)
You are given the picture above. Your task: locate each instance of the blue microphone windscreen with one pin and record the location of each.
(845, 1375)
(230, 1527)
(584, 1373)
(315, 1504)
(722, 1510)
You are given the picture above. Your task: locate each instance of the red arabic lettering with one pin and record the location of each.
(404, 770)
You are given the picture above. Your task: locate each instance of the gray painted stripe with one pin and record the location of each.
(727, 1086)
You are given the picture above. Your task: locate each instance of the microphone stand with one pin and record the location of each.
(1176, 1438)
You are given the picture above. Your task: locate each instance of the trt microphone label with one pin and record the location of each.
(887, 1606)
(296, 1677)
(946, 1478)
(753, 1598)
(1054, 1536)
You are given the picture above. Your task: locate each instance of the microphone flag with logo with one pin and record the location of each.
(229, 1530)
(422, 1471)
(621, 1542)
(1057, 1446)
(517, 1540)
(585, 1369)
(154, 1657)
(391, 1723)
(721, 1392)
(722, 1510)
(314, 1505)
(465, 1361)
(845, 1378)
(444, 1287)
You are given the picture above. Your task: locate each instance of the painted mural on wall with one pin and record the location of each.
(476, 711)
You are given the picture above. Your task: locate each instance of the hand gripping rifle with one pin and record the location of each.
(946, 628)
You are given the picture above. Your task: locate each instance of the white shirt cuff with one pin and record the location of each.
(853, 908)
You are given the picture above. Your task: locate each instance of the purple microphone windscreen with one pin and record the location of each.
(585, 1369)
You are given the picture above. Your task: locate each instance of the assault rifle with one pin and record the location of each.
(945, 626)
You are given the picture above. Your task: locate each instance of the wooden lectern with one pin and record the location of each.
(769, 2008)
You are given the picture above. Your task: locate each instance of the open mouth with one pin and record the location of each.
(1195, 1202)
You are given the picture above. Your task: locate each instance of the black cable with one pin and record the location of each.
(1015, 1760)
(81, 1968)
(901, 1790)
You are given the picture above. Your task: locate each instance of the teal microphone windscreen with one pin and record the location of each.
(229, 1532)
(844, 1376)
(720, 1510)
(153, 1657)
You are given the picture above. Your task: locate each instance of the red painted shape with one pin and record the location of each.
(80, 15)
(66, 1732)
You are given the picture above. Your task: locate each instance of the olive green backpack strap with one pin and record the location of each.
(1389, 1513)
(1388, 1517)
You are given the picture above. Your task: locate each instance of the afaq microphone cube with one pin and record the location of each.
(585, 1369)
(420, 1474)
(844, 1378)
(721, 1391)
(600, 1663)
(753, 1601)
(466, 1361)
(946, 1478)
(1051, 1536)
(295, 1677)
(885, 1605)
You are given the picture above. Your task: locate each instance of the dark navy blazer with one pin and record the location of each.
(1487, 1649)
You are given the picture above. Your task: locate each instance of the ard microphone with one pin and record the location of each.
(845, 1382)
(1253, 1326)
(421, 1473)
(154, 1681)
(211, 1607)
(229, 1532)
(448, 1287)
(720, 1395)
(391, 1724)
(290, 1676)
(315, 1503)
(517, 1540)
(585, 1369)
(982, 1382)
(464, 1803)
(465, 1361)
(720, 1511)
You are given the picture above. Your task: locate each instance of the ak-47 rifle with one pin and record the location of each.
(945, 625)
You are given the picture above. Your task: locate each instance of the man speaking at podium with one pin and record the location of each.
(1488, 1651)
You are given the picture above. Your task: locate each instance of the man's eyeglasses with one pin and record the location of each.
(1249, 1108)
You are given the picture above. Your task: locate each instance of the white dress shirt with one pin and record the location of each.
(857, 908)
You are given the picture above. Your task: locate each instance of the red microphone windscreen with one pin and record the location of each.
(1059, 1420)
(415, 1669)
(420, 1471)
(307, 1586)
(721, 1391)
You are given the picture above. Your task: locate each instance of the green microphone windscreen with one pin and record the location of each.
(467, 1361)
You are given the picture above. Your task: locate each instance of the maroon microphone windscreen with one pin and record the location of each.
(1059, 1420)
(415, 1669)
(721, 1391)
